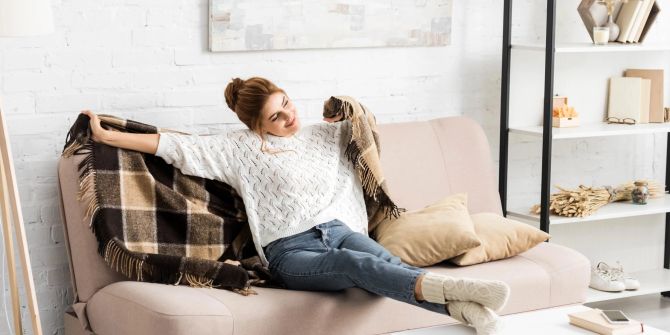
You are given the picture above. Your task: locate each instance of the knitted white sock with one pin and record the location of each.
(439, 289)
(432, 288)
(483, 319)
(489, 293)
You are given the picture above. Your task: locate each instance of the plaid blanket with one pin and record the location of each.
(364, 151)
(155, 224)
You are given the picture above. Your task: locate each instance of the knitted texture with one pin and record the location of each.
(483, 319)
(286, 193)
(438, 288)
(432, 289)
(490, 293)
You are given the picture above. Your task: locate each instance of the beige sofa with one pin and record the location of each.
(423, 161)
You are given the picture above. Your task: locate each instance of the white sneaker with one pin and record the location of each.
(629, 282)
(604, 280)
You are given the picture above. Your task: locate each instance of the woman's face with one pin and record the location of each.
(279, 116)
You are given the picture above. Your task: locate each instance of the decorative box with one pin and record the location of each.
(563, 122)
(561, 102)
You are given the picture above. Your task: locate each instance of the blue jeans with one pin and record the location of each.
(331, 257)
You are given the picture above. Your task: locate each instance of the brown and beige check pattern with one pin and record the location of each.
(154, 223)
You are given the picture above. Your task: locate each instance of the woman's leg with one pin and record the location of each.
(359, 242)
(471, 313)
(493, 294)
(337, 269)
(308, 261)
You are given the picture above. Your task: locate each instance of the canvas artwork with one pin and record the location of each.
(239, 25)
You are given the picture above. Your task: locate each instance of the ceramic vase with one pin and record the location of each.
(614, 28)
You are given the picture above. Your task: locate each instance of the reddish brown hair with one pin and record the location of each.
(247, 97)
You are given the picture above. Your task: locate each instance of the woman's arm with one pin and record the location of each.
(147, 143)
(206, 156)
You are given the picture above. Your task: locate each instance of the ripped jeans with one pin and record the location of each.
(330, 257)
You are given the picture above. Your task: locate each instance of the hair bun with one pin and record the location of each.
(231, 92)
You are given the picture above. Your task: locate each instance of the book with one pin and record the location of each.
(637, 22)
(650, 21)
(626, 18)
(625, 98)
(656, 112)
(644, 101)
(645, 18)
(594, 321)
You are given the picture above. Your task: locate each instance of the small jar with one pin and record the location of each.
(640, 193)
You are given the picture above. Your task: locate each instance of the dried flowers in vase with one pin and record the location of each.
(614, 28)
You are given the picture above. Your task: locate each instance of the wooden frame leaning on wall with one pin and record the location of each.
(10, 208)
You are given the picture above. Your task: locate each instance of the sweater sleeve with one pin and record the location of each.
(206, 156)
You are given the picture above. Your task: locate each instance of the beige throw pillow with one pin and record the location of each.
(430, 235)
(501, 238)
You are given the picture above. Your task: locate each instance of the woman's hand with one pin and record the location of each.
(98, 134)
(147, 143)
(333, 119)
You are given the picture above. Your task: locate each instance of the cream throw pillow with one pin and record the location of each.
(501, 238)
(430, 235)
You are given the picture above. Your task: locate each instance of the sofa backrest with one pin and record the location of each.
(89, 271)
(423, 162)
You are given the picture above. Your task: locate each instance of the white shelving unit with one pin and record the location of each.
(595, 130)
(652, 281)
(591, 48)
(610, 211)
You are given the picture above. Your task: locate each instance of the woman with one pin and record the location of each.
(305, 204)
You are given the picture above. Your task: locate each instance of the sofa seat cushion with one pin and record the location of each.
(544, 276)
(146, 308)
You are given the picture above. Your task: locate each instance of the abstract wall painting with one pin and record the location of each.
(245, 25)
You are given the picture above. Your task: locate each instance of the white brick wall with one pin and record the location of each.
(148, 60)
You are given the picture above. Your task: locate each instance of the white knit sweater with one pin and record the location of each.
(285, 193)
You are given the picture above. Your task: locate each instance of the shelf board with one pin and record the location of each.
(590, 48)
(614, 210)
(595, 130)
(651, 281)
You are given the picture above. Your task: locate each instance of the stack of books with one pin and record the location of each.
(638, 95)
(594, 321)
(633, 17)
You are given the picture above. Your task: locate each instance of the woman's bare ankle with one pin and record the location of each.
(417, 288)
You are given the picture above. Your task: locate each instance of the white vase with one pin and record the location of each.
(614, 28)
